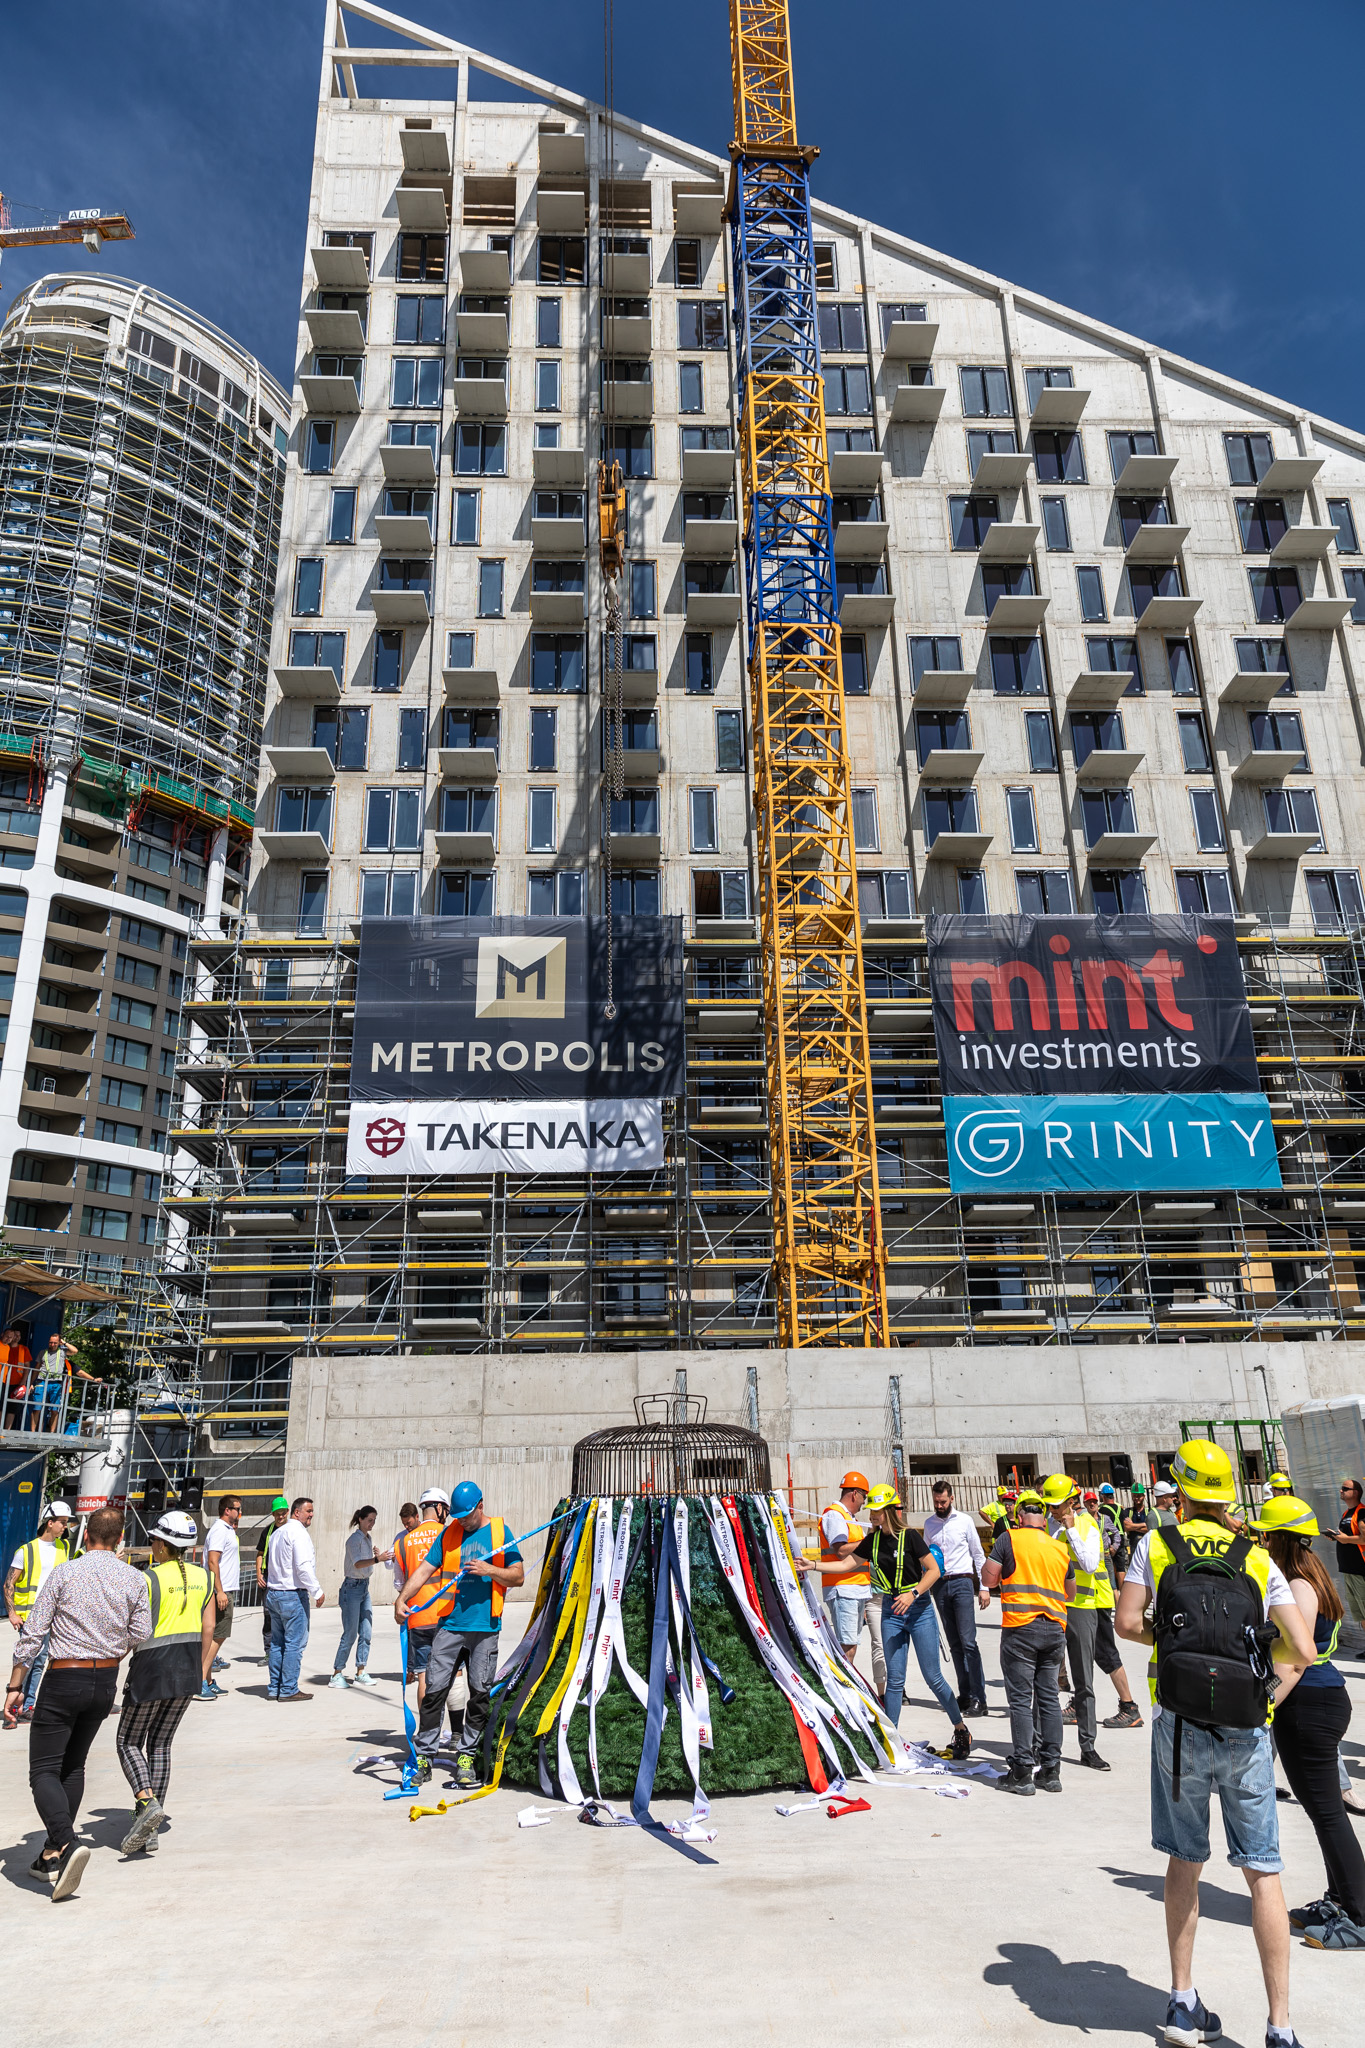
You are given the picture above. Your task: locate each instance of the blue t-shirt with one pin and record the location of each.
(472, 1613)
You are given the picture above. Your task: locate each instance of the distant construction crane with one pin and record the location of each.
(89, 225)
(830, 1262)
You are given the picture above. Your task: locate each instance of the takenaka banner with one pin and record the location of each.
(1116, 1054)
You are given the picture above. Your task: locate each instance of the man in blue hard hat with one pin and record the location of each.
(477, 1551)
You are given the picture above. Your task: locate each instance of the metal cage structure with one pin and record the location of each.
(666, 1456)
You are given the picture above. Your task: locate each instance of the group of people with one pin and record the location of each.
(31, 1394)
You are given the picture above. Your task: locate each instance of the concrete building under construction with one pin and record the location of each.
(1098, 610)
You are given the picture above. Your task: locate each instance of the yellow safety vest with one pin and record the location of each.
(1205, 1539)
(1093, 1589)
(31, 1574)
(167, 1666)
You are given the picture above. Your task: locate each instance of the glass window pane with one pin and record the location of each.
(378, 820)
(1090, 585)
(407, 820)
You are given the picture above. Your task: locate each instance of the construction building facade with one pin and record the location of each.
(1098, 611)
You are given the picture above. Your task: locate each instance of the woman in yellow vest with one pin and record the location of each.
(164, 1674)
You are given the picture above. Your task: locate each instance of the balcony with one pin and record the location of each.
(626, 272)
(1110, 767)
(626, 398)
(416, 465)
(426, 150)
(1008, 540)
(698, 209)
(468, 764)
(627, 334)
(639, 685)
(340, 270)
(1304, 543)
(1282, 845)
(310, 846)
(301, 764)
(918, 404)
(1013, 613)
(1169, 614)
(485, 271)
(479, 847)
(712, 608)
(1156, 540)
(911, 341)
(422, 209)
(482, 334)
(1119, 849)
(858, 608)
(1058, 406)
(402, 607)
(330, 396)
(564, 467)
(318, 684)
(1269, 764)
(641, 764)
(860, 540)
(480, 398)
(470, 685)
(1319, 614)
(710, 540)
(1142, 473)
(1099, 688)
(1254, 686)
(404, 533)
(561, 212)
(962, 849)
(629, 848)
(1291, 473)
(944, 686)
(850, 469)
(339, 331)
(557, 593)
(559, 536)
(956, 765)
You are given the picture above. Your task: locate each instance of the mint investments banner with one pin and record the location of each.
(1103, 1054)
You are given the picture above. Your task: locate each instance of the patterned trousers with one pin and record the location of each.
(146, 1731)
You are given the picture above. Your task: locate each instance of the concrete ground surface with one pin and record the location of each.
(295, 1905)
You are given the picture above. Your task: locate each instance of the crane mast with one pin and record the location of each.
(829, 1264)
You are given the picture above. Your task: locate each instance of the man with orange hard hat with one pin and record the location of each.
(848, 1597)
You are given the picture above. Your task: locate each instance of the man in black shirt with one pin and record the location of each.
(1350, 1555)
(279, 1513)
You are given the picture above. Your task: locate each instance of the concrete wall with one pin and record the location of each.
(380, 1429)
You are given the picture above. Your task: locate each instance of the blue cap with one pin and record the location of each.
(467, 1499)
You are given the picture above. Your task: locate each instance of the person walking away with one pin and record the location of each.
(1037, 1581)
(848, 1596)
(1211, 1661)
(476, 1550)
(357, 1610)
(958, 1594)
(93, 1610)
(1068, 1523)
(223, 1561)
(279, 1515)
(291, 1583)
(1351, 1550)
(164, 1673)
(30, 1565)
(411, 1549)
(1310, 1724)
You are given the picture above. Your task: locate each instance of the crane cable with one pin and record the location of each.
(613, 692)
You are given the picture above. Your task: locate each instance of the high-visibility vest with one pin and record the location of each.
(436, 1599)
(1093, 1589)
(841, 1582)
(1205, 1539)
(1037, 1586)
(167, 1666)
(450, 1564)
(31, 1573)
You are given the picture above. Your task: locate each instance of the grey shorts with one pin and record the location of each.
(222, 1628)
(1240, 1769)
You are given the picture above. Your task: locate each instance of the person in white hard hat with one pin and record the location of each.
(1164, 1498)
(165, 1673)
(409, 1550)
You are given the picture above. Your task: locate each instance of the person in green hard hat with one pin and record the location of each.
(279, 1509)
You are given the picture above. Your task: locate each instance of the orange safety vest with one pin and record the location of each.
(1037, 1585)
(434, 1600)
(841, 1582)
(498, 1531)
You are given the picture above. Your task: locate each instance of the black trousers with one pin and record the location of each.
(1308, 1728)
(66, 1720)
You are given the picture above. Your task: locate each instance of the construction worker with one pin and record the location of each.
(409, 1550)
(1037, 1581)
(1279, 1482)
(848, 1598)
(164, 1673)
(30, 1565)
(279, 1515)
(1068, 1523)
(1162, 1514)
(1190, 1761)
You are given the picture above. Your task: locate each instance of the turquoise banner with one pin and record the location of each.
(1109, 1144)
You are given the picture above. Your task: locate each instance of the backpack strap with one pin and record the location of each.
(1237, 1552)
(1178, 1547)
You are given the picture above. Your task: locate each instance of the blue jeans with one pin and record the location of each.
(919, 1625)
(36, 1670)
(357, 1614)
(955, 1600)
(290, 1620)
(1240, 1768)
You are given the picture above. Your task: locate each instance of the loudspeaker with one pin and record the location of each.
(153, 1498)
(192, 1496)
(1120, 1469)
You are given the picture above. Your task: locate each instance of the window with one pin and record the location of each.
(687, 263)
(422, 259)
(1249, 457)
(1017, 668)
(319, 447)
(886, 892)
(1335, 899)
(464, 518)
(826, 266)
(1044, 892)
(1090, 588)
(697, 656)
(1194, 743)
(729, 743)
(1274, 594)
(720, 893)
(547, 384)
(128, 1010)
(542, 834)
(1107, 810)
(949, 810)
(843, 331)
(632, 447)
(702, 822)
(420, 319)
(989, 441)
(557, 663)
(555, 895)
(127, 1052)
(1122, 446)
(1292, 810)
(1204, 892)
(1279, 732)
(464, 726)
(636, 811)
(1263, 657)
(548, 323)
(950, 730)
(140, 973)
(110, 1132)
(1023, 820)
(459, 650)
(413, 573)
(1092, 730)
(416, 434)
(137, 931)
(116, 1094)
(971, 519)
(412, 739)
(717, 438)
(112, 1223)
(635, 893)
(690, 396)
(890, 314)
(388, 659)
(341, 524)
(1339, 512)
(1145, 584)
(1353, 585)
(1261, 523)
(113, 1180)
(490, 589)
(561, 259)
(304, 810)
(480, 450)
(308, 587)
(1208, 822)
(388, 892)
(469, 810)
(866, 832)
(986, 394)
(1058, 458)
(544, 736)
(416, 380)
(1135, 513)
(404, 504)
(1056, 528)
(848, 388)
(1180, 665)
(932, 653)
(701, 323)
(467, 894)
(1039, 380)
(318, 650)
(971, 893)
(643, 596)
(1118, 892)
(1042, 742)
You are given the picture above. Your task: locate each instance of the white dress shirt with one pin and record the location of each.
(955, 1535)
(292, 1565)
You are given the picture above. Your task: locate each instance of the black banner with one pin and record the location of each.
(455, 1009)
(1090, 1006)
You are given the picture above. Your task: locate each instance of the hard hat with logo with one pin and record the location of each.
(883, 1497)
(435, 1496)
(466, 1500)
(176, 1528)
(1287, 1513)
(1203, 1471)
(852, 1480)
(1058, 1488)
(1280, 1482)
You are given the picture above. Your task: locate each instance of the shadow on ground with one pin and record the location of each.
(1095, 1997)
(1214, 1902)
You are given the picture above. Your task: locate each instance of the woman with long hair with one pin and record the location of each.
(357, 1609)
(164, 1674)
(1309, 1724)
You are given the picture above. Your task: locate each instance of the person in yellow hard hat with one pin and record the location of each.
(1310, 1724)
(848, 1596)
(1192, 1757)
(1069, 1524)
(1278, 1482)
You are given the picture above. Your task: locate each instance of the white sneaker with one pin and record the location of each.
(338, 1681)
(364, 1678)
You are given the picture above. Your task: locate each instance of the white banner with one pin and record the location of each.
(439, 1138)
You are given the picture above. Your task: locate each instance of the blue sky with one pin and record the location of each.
(1183, 170)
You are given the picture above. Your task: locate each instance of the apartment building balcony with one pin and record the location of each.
(1269, 764)
(1119, 849)
(330, 396)
(452, 1222)
(561, 467)
(944, 686)
(641, 764)
(709, 469)
(404, 533)
(950, 764)
(698, 209)
(639, 685)
(1282, 845)
(911, 341)
(630, 848)
(468, 764)
(47, 1102)
(850, 469)
(426, 150)
(562, 211)
(482, 333)
(422, 209)
(1001, 471)
(415, 465)
(626, 264)
(711, 540)
(320, 685)
(309, 846)
(557, 593)
(93, 862)
(301, 764)
(1099, 688)
(713, 607)
(1319, 614)
(627, 398)
(485, 271)
(1156, 540)
(479, 847)
(860, 540)
(401, 607)
(470, 685)
(481, 398)
(1110, 767)
(1146, 472)
(340, 270)
(1056, 406)
(918, 404)
(1254, 686)
(962, 849)
(1304, 543)
(627, 332)
(1291, 473)
(1008, 540)
(340, 331)
(1017, 611)
(1169, 614)
(556, 536)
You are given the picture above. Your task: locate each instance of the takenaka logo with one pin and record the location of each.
(385, 1136)
(521, 978)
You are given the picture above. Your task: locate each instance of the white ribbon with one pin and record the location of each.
(601, 1545)
(693, 1699)
(610, 1639)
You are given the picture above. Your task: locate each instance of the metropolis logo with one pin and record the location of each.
(989, 1144)
(521, 978)
(385, 1136)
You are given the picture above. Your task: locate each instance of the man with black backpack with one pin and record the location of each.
(1221, 1612)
